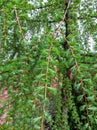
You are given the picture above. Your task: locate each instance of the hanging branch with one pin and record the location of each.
(67, 46)
(46, 86)
(48, 62)
(18, 21)
(81, 80)
(5, 25)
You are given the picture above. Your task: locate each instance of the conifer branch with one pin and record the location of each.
(81, 80)
(46, 86)
(18, 21)
(5, 25)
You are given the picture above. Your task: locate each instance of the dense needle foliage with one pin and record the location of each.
(48, 64)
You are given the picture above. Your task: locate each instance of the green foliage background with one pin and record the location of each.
(35, 64)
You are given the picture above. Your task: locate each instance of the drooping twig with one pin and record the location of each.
(18, 21)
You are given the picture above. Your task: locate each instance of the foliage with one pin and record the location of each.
(47, 64)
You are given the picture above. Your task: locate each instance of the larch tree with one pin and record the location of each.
(48, 64)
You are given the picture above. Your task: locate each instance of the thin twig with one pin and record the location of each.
(5, 25)
(18, 21)
(46, 86)
(81, 80)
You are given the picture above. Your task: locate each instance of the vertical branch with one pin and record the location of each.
(81, 81)
(18, 21)
(5, 25)
(66, 17)
(67, 46)
(46, 86)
